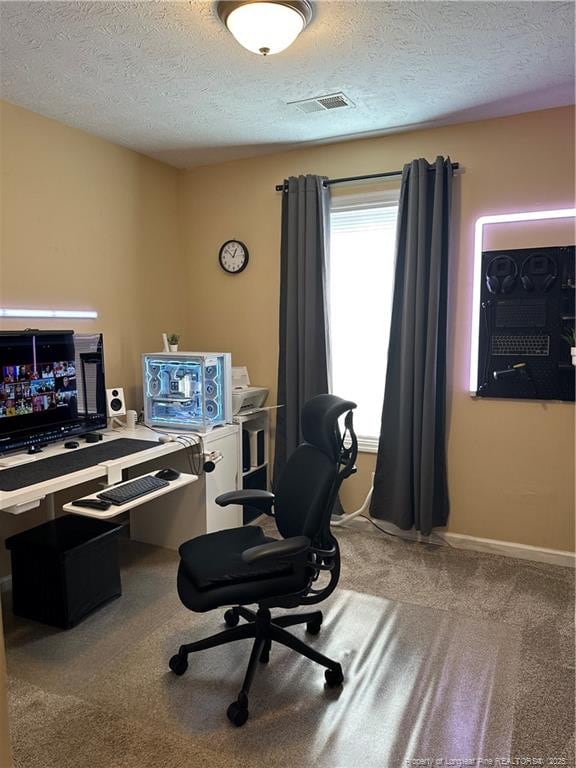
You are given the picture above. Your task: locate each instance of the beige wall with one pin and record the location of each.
(85, 224)
(511, 464)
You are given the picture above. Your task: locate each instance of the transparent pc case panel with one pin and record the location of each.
(187, 390)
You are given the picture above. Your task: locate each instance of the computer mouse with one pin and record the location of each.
(168, 474)
(92, 504)
(71, 444)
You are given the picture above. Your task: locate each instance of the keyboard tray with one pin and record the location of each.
(103, 514)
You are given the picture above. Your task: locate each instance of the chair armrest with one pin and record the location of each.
(263, 500)
(275, 550)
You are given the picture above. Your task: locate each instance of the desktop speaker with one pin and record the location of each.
(115, 402)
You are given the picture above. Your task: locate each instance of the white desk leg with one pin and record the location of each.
(50, 508)
(115, 475)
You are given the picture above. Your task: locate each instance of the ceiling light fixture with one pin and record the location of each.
(265, 27)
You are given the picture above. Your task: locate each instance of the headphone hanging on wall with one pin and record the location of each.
(551, 273)
(502, 283)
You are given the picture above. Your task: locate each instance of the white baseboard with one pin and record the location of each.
(511, 549)
(462, 541)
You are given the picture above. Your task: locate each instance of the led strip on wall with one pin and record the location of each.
(501, 218)
(48, 313)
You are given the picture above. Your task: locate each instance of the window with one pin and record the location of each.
(361, 284)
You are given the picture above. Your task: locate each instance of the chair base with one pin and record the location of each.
(265, 630)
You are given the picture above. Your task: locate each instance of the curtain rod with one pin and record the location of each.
(386, 175)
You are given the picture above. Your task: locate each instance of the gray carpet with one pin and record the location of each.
(447, 654)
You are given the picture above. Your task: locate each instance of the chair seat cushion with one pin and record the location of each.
(215, 559)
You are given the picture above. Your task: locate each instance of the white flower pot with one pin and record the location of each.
(573, 353)
(173, 347)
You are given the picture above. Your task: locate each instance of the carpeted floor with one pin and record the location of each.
(447, 654)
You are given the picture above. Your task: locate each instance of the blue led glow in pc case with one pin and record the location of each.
(187, 390)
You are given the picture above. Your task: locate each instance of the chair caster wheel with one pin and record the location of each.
(231, 617)
(178, 664)
(313, 627)
(334, 677)
(237, 714)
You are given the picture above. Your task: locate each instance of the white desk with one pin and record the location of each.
(20, 500)
(186, 509)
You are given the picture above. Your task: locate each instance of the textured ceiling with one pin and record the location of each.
(167, 79)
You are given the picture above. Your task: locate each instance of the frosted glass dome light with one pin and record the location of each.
(265, 27)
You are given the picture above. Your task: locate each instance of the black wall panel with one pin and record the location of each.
(526, 308)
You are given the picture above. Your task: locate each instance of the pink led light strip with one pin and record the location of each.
(500, 218)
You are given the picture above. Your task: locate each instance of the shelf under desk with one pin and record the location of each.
(115, 510)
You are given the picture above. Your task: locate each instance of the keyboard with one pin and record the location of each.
(133, 490)
(526, 346)
(520, 313)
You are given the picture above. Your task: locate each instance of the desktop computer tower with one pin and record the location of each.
(189, 391)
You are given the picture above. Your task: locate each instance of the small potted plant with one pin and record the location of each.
(570, 337)
(173, 339)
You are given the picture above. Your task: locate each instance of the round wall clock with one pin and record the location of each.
(233, 256)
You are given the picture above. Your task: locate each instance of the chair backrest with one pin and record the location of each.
(309, 483)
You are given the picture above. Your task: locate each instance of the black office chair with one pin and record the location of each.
(241, 566)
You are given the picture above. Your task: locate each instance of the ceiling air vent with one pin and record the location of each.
(322, 103)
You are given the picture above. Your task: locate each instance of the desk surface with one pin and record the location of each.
(81, 457)
(111, 469)
(18, 501)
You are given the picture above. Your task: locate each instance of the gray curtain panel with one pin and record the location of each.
(410, 485)
(304, 346)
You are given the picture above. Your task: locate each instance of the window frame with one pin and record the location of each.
(363, 200)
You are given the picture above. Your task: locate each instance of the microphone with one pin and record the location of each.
(519, 369)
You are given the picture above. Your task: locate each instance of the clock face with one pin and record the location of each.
(233, 256)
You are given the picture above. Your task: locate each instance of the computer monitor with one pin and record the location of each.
(52, 386)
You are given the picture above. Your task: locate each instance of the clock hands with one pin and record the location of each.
(233, 256)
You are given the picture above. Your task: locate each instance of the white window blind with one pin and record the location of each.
(362, 242)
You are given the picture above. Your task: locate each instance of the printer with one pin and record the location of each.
(245, 397)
